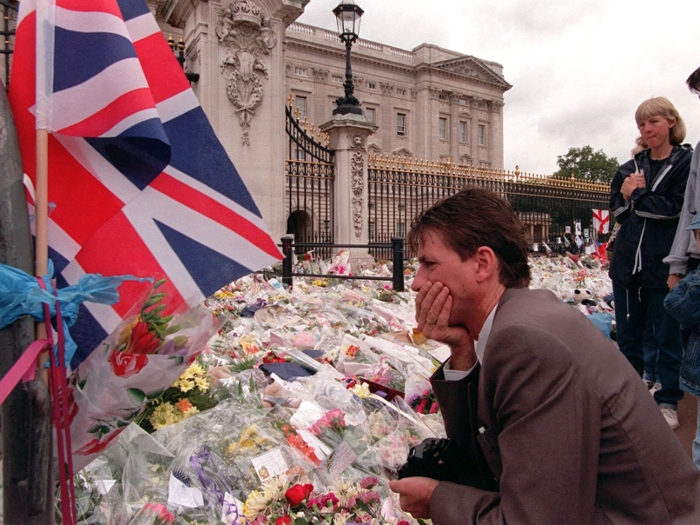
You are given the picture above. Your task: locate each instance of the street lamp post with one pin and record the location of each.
(180, 47)
(348, 15)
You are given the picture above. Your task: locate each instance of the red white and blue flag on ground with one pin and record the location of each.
(138, 182)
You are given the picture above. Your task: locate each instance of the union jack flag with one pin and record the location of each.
(138, 182)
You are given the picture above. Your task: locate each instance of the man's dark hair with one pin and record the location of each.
(476, 217)
(694, 81)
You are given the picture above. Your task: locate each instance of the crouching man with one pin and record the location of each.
(565, 430)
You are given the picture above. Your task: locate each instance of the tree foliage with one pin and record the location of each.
(586, 164)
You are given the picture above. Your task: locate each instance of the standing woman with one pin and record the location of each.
(646, 197)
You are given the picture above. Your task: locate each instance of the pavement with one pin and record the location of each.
(687, 418)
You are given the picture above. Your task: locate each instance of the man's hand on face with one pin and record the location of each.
(433, 308)
(414, 495)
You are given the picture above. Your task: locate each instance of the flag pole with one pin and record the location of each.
(41, 249)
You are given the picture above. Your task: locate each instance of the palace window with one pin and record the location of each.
(301, 71)
(337, 79)
(443, 128)
(401, 124)
(463, 132)
(482, 135)
(442, 96)
(300, 102)
(371, 115)
(370, 85)
(400, 91)
(400, 229)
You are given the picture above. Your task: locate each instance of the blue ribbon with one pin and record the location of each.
(21, 295)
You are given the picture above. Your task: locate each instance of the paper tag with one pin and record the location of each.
(232, 504)
(181, 494)
(339, 460)
(270, 464)
(103, 485)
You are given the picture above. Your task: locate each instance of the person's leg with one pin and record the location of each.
(696, 442)
(668, 336)
(650, 349)
(630, 325)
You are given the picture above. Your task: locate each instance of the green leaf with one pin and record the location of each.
(94, 429)
(155, 393)
(158, 283)
(121, 423)
(136, 395)
(300, 521)
(81, 384)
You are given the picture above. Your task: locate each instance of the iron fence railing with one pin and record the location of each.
(400, 188)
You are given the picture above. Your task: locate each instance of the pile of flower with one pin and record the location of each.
(316, 448)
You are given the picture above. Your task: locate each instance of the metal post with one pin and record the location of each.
(287, 243)
(397, 251)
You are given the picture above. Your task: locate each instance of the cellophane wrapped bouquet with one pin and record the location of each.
(136, 364)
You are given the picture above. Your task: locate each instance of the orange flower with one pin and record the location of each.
(184, 405)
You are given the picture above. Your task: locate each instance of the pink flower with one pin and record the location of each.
(369, 482)
(434, 409)
(160, 513)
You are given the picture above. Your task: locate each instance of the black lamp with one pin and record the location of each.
(348, 14)
(180, 46)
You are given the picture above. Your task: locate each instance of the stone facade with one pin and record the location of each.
(251, 55)
(429, 103)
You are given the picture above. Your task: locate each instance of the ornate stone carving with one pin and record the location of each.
(357, 172)
(495, 106)
(248, 37)
(435, 92)
(387, 88)
(320, 75)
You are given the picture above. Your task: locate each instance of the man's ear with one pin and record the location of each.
(487, 264)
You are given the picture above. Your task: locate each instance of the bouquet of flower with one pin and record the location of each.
(136, 364)
(425, 403)
(279, 502)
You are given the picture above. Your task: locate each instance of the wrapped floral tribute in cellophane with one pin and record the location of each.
(137, 363)
(238, 463)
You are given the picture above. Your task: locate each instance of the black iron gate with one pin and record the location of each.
(310, 174)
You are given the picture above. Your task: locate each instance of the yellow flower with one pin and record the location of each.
(202, 383)
(186, 386)
(361, 390)
(164, 415)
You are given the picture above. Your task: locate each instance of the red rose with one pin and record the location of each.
(284, 520)
(298, 493)
(125, 364)
(96, 445)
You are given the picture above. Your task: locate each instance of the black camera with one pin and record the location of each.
(444, 460)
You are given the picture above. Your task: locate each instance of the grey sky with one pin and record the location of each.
(578, 69)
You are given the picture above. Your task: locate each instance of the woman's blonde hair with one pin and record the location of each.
(662, 106)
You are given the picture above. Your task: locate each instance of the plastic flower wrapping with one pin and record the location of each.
(299, 410)
(137, 363)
